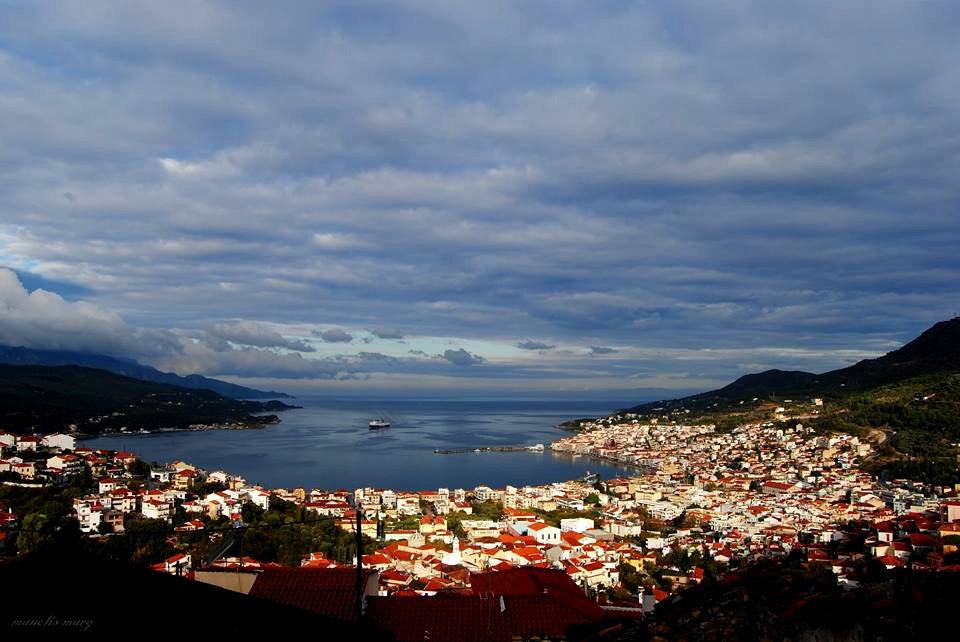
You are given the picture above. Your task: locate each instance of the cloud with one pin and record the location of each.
(334, 335)
(199, 357)
(461, 357)
(45, 320)
(255, 334)
(386, 333)
(334, 241)
(534, 345)
(595, 350)
(652, 176)
(376, 357)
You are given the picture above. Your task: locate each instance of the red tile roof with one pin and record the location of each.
(439, 618)
(474, 618)
(324, 591)
(526, 581)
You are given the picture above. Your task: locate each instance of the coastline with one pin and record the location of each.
(159, 431)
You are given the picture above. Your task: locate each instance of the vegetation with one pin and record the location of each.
(48, 399)
(286, 533)
(908, 402)
(554, 517)
(21, 356)
(487, 510)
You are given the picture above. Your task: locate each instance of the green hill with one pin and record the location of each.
(936, 351)
(20, 356)
(908, 401)
(46, 399)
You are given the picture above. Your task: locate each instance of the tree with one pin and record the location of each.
(592, 498)
(148, 540)
(139, 468)
(629, 578)
(488, 509)
(36, 533)
(251, 513)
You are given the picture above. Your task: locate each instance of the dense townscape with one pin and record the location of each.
(696, 504)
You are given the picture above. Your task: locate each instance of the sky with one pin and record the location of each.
(630, 199)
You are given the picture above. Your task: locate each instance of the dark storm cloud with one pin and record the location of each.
(534, 345)
(748, 176)
(334, 336)
(595, 350)
(255, 334)
(461, 357)
(386, 333)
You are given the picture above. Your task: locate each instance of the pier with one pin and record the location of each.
(489, 449)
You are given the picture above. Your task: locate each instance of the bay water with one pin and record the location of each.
(327, 444)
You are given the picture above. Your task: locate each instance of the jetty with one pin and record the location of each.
(489, 449)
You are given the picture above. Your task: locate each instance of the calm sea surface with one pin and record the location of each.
(327, 444)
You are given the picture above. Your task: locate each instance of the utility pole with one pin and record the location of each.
(359, 544)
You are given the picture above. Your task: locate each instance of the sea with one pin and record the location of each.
(327, 444)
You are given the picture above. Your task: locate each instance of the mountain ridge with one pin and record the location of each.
(19, 355)
(48, 398)
(935, 350)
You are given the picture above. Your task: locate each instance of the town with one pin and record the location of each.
(702, 503)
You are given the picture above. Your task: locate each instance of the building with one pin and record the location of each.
(60, 441)
(544, 533)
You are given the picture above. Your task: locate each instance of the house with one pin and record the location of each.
(183, 479)
(544, 533)
(329, 507)
(28, 443)
(113, 520)
(779, 488)
(59, 441)
(192, 525)
(69, 465)
(592, 574)
(623, 529)
(157, 509)
(26, 469)
(950, 511)
(161, 475)
(392, 580)
(577, 524)
(177, 564)
(257, 496)
(123, 500)
(89, 513)
(485, 493)
(426, 525)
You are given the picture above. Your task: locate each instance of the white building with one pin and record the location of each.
(61, 441)
(544, 533)
(577, 524)
(156, 509)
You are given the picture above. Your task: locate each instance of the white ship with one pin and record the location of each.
(376, 424)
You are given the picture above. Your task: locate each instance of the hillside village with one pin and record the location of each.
(696, 504)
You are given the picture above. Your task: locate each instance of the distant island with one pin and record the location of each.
(47, 399)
